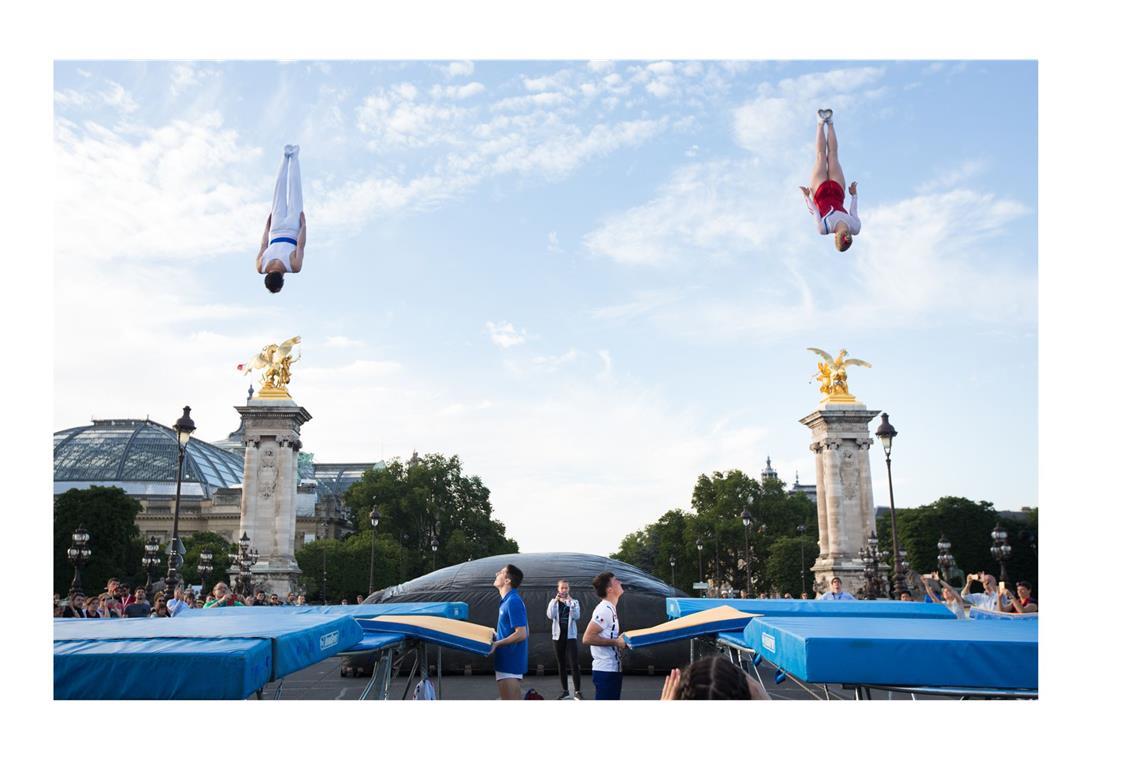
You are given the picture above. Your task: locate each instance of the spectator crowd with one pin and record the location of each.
(119, 601)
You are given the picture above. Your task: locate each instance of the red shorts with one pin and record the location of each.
(828, 196)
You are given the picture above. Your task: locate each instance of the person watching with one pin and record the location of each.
(603, 635)
(1022, 602)
(139, 606)
(509, 649)
(988, 599)
(837, 592)
(223, 597)
(563, 611)
(938, 590)
(712, 677)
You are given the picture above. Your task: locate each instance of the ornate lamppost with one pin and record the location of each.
(800, 530)
(870, 556)
(150, 559)
(205, 566)
(673, 569)
(79, 552)
(325, 562)
(945, 558)
(245, 559)
(374, 518)
(1001, 549)
(434, 550)
(184, 427)
(886, 435)
(746, 518)
(701, 564)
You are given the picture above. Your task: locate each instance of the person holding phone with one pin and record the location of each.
(1022, 603)
(988, 599)
(563, 612)
(223, 597)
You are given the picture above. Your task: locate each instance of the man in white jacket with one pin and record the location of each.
(563, 611)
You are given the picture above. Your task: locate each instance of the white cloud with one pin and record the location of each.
(186, 76)
(952, 177)
(180, 189)
(504, 334)
(599, 67)
(460, 69)
(552, 245)
(112, 95)
(607, 364)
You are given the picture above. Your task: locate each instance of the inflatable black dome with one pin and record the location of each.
(642, 605)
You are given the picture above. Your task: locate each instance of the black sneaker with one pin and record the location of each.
(824, 115)
(564, 695)
(578, 695)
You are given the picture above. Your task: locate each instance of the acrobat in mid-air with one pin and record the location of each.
(825, 197)
(283, 242)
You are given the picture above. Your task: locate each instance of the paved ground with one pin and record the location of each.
(323, 681)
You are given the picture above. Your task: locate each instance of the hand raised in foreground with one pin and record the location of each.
(672, 685)
(852, 188)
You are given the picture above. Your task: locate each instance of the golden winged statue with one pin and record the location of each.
(276, 362)
(832, 376)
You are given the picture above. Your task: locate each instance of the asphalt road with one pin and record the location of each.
(323, 681)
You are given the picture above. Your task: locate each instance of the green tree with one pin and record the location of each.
(428, 498)
(219, 545)
(346, 565)
(108, 514)
(783, 566)
(967, 525)
(715, 518)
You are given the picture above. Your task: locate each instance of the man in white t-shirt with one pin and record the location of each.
(603, 635)
(988, 599)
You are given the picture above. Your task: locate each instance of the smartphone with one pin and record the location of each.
(1001, 587)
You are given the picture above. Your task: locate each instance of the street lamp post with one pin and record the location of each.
(1001, 549)
(673, 569)
(205, 566)
(184, 427)
(325, 563)
(434, 550)
(945, 558)
(701, 564)
(374, 518)
(886, 435)
(746, 518)
(78, 553)
(871, 558)
(150, 559)
(801, 529)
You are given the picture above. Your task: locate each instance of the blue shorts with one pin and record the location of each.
(607, 685)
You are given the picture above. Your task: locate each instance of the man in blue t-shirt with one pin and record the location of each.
(509, 647)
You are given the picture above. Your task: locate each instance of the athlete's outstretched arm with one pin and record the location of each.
(855, 209)
(812, 208)
(298, 257)
(264, 244)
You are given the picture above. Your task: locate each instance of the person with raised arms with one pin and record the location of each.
(283, 241)
(825, 196)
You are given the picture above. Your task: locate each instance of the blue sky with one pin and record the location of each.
(591, 281)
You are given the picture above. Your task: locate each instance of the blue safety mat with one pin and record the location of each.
(374, 641)
(161, 668)
(453, 610)
(899, 652)
(736, 638)
(676, 607)
(297, 640)
(413, 631)
(1024, 617)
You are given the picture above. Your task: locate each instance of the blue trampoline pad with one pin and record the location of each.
(297, 641)
(721, 618)
(454, 634)
(453, 610)
(735, 638)
(676, 607)
(161, 668)
(899, 652)
(1024, 617)
(374, 641)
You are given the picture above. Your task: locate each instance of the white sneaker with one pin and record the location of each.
(824, 115)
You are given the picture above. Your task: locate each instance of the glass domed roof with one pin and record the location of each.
(140, 456)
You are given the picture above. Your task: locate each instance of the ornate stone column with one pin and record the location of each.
(272, 439)
(840, 441)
